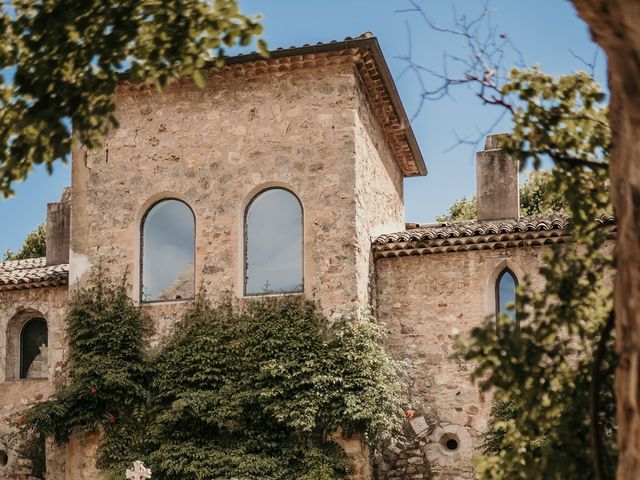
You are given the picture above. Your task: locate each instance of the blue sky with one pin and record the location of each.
(544, 30)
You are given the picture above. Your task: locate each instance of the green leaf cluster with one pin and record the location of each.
(34, 245)
(235, 392)
(105, 373)
(541, 370)
(538, 195)
(61, 61)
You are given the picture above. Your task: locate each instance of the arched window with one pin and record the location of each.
(34, 341)
(168, 252)
(273, 243)
(506, 300)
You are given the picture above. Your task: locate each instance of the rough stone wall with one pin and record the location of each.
(216, 148)
(16, 308)
(426, 301)
(309, 130)
(378, 193)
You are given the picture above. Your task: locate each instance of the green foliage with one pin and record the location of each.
(34, 245)
(105, 368)
(562, 118)
(244, 393)
(462, 209)
(67, 56)
(541, 371)
(538, 195)
(541, 195)
(494, 438)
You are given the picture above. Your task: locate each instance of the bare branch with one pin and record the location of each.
(482, 68)
(590, 65)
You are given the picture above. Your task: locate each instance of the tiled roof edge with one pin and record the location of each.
(473, 235)
(32, 273)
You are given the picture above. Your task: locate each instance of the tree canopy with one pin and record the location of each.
(552, 372)
(62, 59)
(34, 245)
(538, 195)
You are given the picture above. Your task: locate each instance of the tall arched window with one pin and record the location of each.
(506, 300)
(34, 342)
(168, 252)
(273, 243)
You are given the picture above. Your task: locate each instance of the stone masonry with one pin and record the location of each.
(326, 123)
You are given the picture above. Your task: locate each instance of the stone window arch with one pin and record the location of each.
(506, 300)
(167, 260)
(273, 243)
(27, 346)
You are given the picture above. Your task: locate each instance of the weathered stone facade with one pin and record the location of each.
(325, 123)
(16, 308)
(427, 301)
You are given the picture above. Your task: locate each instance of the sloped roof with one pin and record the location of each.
(475, 235)
(32, 273)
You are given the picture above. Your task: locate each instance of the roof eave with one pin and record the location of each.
(367, 41)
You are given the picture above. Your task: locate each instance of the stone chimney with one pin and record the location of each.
(58, 223)
(498, 189)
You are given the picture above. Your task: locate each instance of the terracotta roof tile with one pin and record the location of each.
(475, 235)
(31, 273)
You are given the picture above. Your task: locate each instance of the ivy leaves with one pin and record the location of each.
(61, 61)
(246, 393)
(256, 393)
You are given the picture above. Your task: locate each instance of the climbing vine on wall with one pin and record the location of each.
(250, 392)
(106, 369)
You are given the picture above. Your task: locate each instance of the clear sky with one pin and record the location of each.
(544, 30)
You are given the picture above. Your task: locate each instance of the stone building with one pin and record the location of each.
(281, 176)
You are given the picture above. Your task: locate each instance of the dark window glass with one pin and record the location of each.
(34, 340)
(168, 251)
(506, 302)
(273, 243)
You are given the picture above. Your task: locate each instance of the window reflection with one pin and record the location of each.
(506, 305)
(168, 237)
(34, 341)
(273, 258)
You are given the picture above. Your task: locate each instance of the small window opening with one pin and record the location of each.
(506, 298)
(273, 243)
(168, 252)
(34, 341)
(4, 458)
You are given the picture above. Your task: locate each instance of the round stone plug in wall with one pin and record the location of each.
(450, 442)
(449, 445)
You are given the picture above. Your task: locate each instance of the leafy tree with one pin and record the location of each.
(34, 245)
(61, 61)
(536, 197)
(248, 393)
(554, 415)
(552, 374)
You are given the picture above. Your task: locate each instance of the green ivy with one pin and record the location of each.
(235, 392)
(105, 369)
